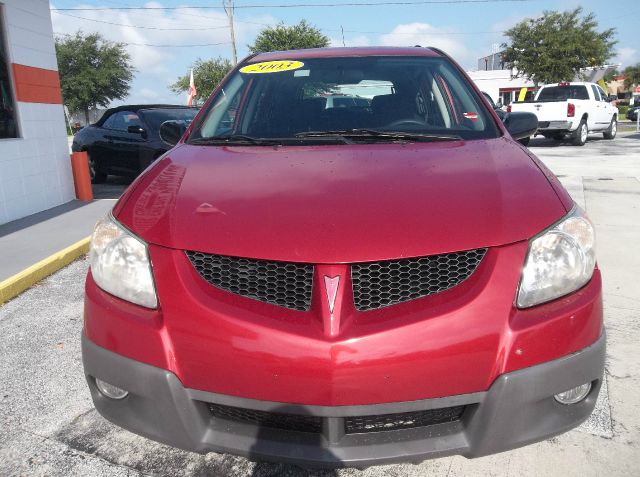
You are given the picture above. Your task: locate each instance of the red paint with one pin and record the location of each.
(331, 206)
(36, 85)
(341, 204)
(455, 342)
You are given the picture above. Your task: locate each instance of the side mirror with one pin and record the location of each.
(520, 124)
(171, 131)
(137, 130)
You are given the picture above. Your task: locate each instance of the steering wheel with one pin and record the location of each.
(401, 122)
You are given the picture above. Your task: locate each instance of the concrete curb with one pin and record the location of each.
(19, 282)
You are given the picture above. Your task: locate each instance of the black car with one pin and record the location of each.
(496, 107)
(125, 140)
(632, 113)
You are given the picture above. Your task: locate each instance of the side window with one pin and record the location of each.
(596, 95)
(120, 121)
(222, 116)
(110, 123)
(603, 95)
(8, 118)
(131, 119)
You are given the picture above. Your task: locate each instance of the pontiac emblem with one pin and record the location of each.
(331, 288)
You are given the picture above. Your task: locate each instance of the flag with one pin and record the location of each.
(192, 90)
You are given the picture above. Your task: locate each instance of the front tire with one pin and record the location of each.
(612, 130)
(580, 137)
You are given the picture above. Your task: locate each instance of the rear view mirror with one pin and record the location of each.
(171, 131)
(520, 124)
(137, 130)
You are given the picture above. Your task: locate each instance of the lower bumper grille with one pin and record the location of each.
(404, 420)
(275, 420)
(352, 425)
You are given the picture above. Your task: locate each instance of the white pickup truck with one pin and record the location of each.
(572, 109)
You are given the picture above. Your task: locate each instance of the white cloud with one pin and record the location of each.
(627, 56)
(360, 40)
(423, 34)
(148, 94)
(159, 66)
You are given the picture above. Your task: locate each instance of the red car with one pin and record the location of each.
(388, 281)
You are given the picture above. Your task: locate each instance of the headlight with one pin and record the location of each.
(120, 264)
(560, 260)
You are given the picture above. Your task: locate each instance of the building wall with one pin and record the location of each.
(501, 85)
(35, 171)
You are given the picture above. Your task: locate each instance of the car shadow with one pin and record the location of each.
(541, 141)
(112, 188)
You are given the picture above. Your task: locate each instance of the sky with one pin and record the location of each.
(467, 31)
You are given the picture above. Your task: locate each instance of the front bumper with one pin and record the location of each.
(517, 409)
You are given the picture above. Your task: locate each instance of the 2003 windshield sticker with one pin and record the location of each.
(272, 67)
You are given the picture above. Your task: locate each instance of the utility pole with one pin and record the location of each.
(228, 8)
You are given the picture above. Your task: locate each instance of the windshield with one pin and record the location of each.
(155, 117)
(562, 93)
(361, 96)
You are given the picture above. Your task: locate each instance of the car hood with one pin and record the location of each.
(342, 203)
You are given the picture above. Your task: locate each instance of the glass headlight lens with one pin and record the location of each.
(560, 261)
(120, 264)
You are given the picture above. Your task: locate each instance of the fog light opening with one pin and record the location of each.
(573, 395)
(110, 391)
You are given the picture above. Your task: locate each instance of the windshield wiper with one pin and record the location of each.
(241, 139)
(235, 139)
(384, 135)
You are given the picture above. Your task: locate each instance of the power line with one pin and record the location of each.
(302, 5)
(268, 25)
(154, 45)
(140, 26)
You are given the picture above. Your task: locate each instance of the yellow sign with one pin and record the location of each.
(272, 67)
(603, 85)
(522, 95)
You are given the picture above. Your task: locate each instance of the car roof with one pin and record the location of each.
(139, 107)
(342, 52)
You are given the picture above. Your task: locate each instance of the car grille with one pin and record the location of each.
(375, 284)
(352, 425)
(275, 420)
(280, 283)
(380, 284)
(404, 420)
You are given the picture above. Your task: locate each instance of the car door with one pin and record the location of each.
(602, 117)
(608, 109)
(125, 147)
(98, 144)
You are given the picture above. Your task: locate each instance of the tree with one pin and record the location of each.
(557, 45)
(609, 77)
(631, 76)
(283, 37)
(206, 75)
(93, 71)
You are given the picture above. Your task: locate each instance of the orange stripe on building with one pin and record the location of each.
(36, 85)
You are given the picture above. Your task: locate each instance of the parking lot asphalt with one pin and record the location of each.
(48, 425)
